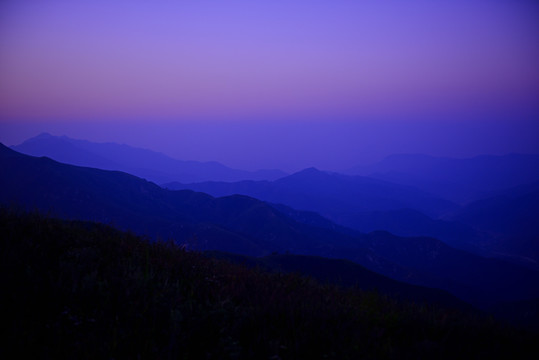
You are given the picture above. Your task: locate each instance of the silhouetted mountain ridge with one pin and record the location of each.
(329, 194)
(361, 203)
(244, 225)
(148, 164)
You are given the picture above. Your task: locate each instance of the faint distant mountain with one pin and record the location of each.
(459, 180)
(332, 195)
(511, 218)
(147, 164)
(248, 226)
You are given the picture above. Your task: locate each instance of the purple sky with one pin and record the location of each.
(275, 83)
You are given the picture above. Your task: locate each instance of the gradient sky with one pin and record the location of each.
(249, 82)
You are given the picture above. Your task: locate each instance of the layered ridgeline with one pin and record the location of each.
(458, 180)
(511, 218)
(357, 202)
(85, 290)
(367, 204)
(244, 225)
(147, 164)
(333, 195)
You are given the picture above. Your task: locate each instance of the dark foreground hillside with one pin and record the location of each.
(84, 290)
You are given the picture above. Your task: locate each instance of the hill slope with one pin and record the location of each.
(512, 220)
(345, 273)
(82, 290)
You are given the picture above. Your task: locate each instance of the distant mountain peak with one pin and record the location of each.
(308, 173)
(311, 169)
(148, 164)
(43, 135)
(43, 138)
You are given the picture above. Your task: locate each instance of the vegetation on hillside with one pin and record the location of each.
(84, 290)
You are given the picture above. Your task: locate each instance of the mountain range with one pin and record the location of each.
(333, 195)
(367, 204)
(458, 180)
(143, 163)
(244, 225)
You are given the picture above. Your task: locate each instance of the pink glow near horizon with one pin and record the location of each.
(233, 59)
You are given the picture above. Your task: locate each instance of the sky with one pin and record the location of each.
(284, 84)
